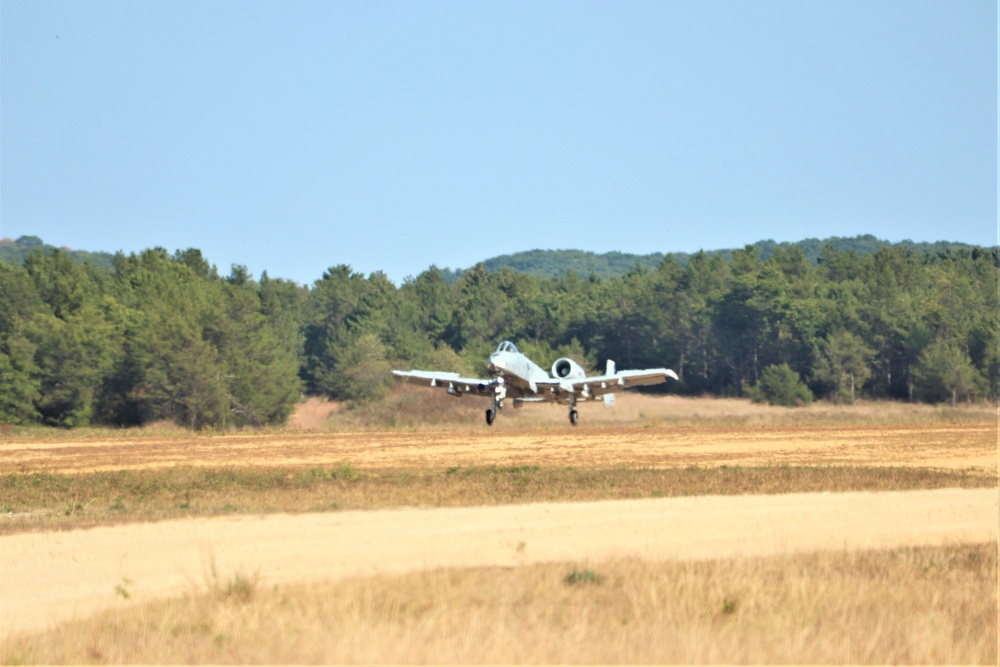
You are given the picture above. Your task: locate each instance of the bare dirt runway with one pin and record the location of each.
(46, 578)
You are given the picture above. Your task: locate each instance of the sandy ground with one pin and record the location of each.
(51, 577)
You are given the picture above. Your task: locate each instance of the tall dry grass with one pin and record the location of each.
(416, 408)
(927, 605)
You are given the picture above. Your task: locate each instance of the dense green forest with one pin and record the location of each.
(160, 336)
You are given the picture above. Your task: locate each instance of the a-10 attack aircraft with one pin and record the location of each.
(523, 381)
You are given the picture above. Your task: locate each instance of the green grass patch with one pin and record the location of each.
(577, 577)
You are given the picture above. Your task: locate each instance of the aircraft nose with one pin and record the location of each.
(495, 364)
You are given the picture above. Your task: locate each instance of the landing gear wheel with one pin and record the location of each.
(574, 416)
(491, 414)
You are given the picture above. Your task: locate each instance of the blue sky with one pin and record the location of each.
(294, 136)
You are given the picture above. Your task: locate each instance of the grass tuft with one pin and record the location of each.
(240, 588)
(582, 577)
(123, 589)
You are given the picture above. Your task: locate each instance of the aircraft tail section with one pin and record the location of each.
(609, 399)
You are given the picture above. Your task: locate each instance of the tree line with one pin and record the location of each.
(160, 336)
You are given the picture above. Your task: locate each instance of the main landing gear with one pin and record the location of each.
(501, 393)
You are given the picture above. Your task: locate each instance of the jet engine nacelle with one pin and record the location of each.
(567, 369)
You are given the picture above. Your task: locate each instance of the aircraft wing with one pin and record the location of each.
(598, 385)
(451, 382)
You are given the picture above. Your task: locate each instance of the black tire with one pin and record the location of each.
(491, 414)
(574, 417)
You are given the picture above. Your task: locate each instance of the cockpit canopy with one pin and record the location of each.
(507, 346)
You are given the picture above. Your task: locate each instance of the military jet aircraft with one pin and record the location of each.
(520, 379)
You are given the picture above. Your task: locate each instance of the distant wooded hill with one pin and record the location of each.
(553, 263)
(16, 251)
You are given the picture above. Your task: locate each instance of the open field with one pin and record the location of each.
(930, 605)
(485, 525)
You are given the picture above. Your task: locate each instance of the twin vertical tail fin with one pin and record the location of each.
(609, 399)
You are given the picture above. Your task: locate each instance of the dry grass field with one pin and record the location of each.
(665, 530)
(903, 606)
